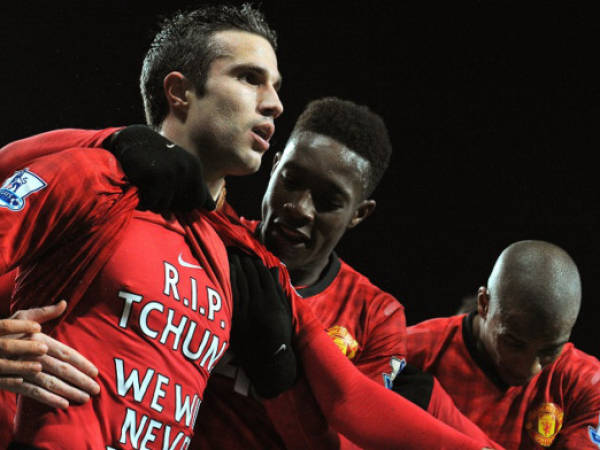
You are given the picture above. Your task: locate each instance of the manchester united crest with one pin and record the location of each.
(544, 423)
(344, 340)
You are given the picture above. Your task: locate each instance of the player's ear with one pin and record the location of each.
(276, 159)
(177, 89)
(483, 302)
(364, 210)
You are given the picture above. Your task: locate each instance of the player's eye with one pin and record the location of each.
(512, 343)
(550, 352)
(251, 77)
(290, 182)
(326, 204)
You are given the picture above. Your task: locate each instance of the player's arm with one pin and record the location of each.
(424, 390)
(384, 352)
(581, 429)
(381, 359)
(356, 405)
(581, 426)
(37, 366)
(41, 206)
(168, 177)
(413, 384)
(364, 411)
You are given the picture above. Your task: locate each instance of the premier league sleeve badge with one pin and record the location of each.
(15, 189)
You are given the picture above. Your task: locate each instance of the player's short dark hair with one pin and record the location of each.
(184, 43)
(356, 127)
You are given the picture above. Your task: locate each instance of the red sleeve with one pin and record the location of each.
(51, 200)
(364, 411)
(442, 407)
(386, 340)
(581, 427)
(17, 153)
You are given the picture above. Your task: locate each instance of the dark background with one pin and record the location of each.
(492, 108)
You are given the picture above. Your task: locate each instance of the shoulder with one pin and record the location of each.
(363, 286)
(380, 306)
(91, 169)
(439, 329)
(580, 366)
(17, 153)
(575, 376)
(65, 177)
(89, 160)
(438, 325)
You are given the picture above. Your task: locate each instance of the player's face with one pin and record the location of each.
(232, 122)
(519, 345)
(314, 195)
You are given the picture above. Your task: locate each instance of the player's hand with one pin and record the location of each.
(414, 385)
(261, 331)
(168, 177)
(37, 366)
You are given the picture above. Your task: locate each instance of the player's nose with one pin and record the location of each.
(302, 207)
(270, 103)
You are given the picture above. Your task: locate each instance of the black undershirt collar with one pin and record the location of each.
(325, 280)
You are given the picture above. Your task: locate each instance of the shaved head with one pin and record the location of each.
(527, 311)
(537, 277)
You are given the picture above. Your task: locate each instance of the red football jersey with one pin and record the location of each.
(367, 412)
(559, 407)
(155, 320)
(367, 324)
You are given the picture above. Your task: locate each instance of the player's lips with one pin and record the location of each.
(262, 134)
(259, 143)
(291, 234)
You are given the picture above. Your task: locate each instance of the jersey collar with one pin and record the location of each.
(327, 277)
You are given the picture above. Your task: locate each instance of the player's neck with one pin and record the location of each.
(479, 345)
(214, 180)
(306, 276)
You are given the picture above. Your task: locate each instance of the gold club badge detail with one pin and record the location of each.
(344, 340)
(544, 423)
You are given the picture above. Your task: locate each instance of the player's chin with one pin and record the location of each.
(249, 162)
(292, 256)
